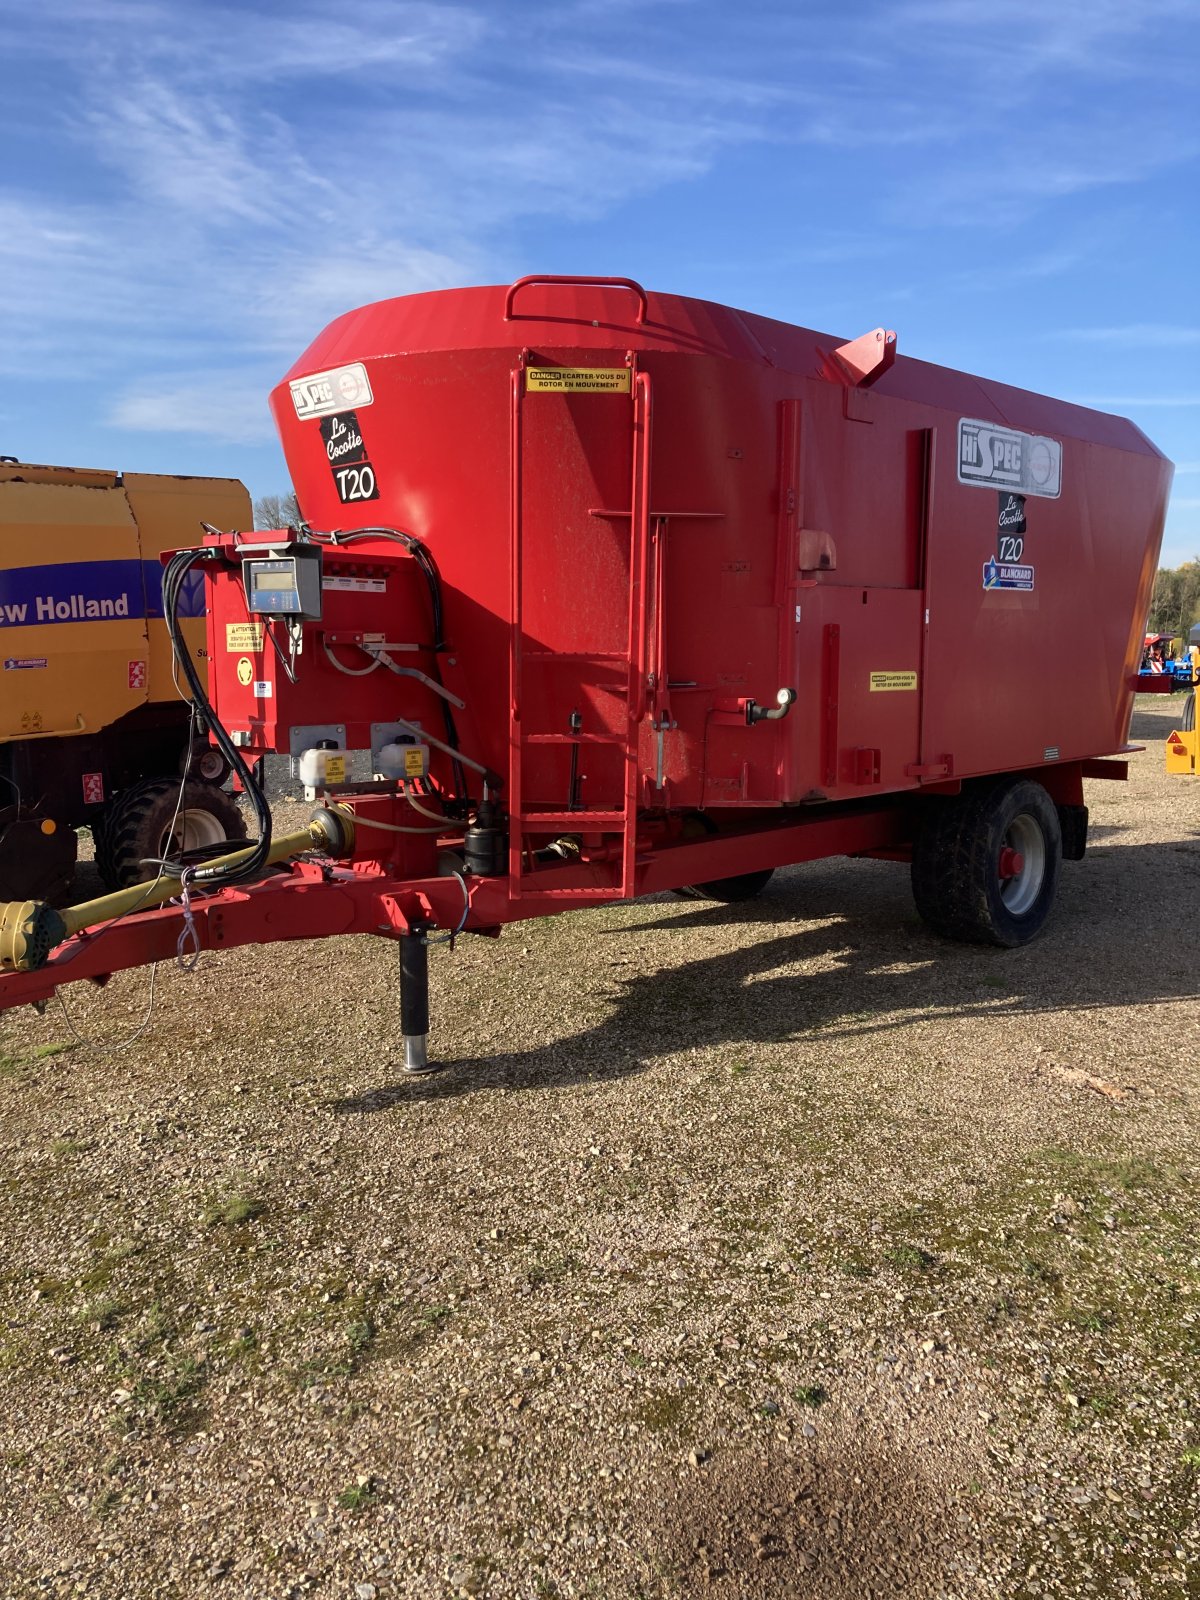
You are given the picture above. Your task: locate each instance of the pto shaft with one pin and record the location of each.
(30, 930)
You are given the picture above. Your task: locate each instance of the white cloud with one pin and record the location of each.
(230, 407)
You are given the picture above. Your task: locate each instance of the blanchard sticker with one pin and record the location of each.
(323, 393)
(578, 380)
(25, 663)
(888, 682)
(262, 689)
(1006, 575)
(992, 457)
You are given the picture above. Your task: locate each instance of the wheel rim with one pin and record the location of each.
(209, 765)
(1022, 867)
(192, 829)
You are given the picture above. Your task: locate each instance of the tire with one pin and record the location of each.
(964, 886)
(142, 826)
(730, 891)
(1188, 721)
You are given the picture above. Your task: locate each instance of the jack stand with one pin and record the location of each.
(414, 1002)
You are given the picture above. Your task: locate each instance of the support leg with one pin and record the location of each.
(414, 1001)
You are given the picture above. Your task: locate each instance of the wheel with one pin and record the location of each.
(151, 822)
(985, 865)
(1188, 721)
(730, 891)
(205, 762)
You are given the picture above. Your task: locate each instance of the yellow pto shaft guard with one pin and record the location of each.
(30, 929)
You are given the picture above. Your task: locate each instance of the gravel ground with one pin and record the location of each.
(776, 1250)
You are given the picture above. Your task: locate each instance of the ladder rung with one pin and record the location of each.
(575, 738)
(572, 819)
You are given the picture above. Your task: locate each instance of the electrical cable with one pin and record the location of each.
(451, 934)
(177, 570)
(394, 827)
(111, 1049)
(417, 806)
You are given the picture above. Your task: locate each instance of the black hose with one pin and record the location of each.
(176, 572)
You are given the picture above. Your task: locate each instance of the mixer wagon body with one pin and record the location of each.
(636, 592)
(798, 530)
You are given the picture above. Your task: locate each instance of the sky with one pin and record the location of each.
(190, 191)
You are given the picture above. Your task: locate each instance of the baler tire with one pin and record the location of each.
(137, 827)
(956, 864)
(1187, 722)
(729, 891)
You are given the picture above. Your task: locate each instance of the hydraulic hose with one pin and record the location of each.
(248, 864)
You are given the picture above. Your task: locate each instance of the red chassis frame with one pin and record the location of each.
(321, 899)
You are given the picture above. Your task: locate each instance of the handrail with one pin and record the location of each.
(595, 283)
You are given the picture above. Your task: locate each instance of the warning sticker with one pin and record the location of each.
(356, 585)
(1006, 575)
(243, 636)
(93, 788)
(137, 674)
(578, 380)
(245, 672)
(337, 389)
(886, 682)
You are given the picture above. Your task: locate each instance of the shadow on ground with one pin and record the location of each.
(876, 967)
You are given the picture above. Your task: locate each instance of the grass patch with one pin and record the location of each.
(233, 1211)
(910, 1256)
(664, 1411)
(103, 1313)
(810, 1394)
(359, 1496)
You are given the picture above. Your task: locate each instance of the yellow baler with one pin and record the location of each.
(92, 729)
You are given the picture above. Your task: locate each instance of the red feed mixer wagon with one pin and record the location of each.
(628, 592)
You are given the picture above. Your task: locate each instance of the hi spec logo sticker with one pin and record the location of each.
(323, 393)
(353, 475)
(992, 457)
(578, 380)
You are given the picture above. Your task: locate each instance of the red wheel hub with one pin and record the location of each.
(1012, 863)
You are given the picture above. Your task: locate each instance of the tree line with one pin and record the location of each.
(1175, 604)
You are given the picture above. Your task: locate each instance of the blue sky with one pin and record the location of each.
(190, 191)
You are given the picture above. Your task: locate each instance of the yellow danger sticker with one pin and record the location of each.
(887, 681)
(335, 768)
(414, 763)
(578, 380)
(243, 636)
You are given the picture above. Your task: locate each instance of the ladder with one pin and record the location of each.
(629, 666)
